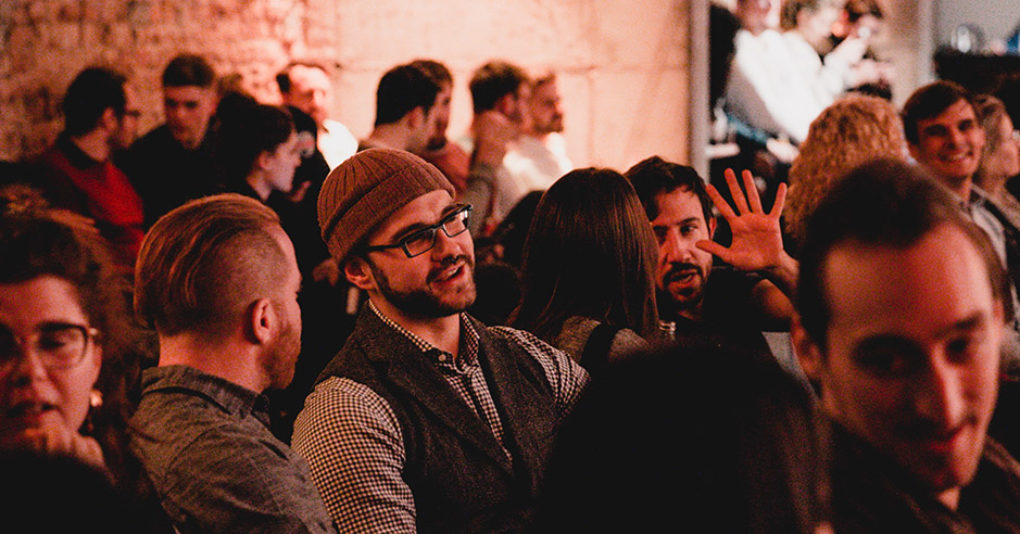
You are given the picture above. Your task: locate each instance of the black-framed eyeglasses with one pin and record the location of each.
(422, 241)
(57, 345)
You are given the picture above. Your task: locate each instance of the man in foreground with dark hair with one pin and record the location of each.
(218, 281)
(901, 307)
(173, 163)
(77, 173)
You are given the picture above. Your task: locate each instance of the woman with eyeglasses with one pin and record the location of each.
(588, 274)
(63, 333)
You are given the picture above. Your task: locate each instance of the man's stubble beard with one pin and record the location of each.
(421, 302)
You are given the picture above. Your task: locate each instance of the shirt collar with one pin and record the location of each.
(469, 339)
(230, 397)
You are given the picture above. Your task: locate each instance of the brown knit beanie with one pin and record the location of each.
(367, 188)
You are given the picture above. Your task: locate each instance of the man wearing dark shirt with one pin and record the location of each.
(218, 280)
(718, 305)
(901, 313)
(174, 162)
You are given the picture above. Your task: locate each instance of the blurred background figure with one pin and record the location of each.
(539, 157)
(864, 20)
(173, 163)
(306, 86)
(852, 131)
(589, 269)
(77, 173)
(1000, 160)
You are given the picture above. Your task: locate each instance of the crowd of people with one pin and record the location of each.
(417, 332)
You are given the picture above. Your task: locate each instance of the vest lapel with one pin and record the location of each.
(525, 424)
(410, 370)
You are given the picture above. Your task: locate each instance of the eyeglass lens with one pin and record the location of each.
(57, 346)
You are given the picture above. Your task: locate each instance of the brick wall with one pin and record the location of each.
(622, 63)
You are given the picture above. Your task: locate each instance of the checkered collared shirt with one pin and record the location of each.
(353, 443)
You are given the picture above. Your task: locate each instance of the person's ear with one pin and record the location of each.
(263, 160)
(416, 117)
(914, 151)
(505, 104)
(359, 273)
(712, 224)
(261, 321)
(808, 352)
(109, 120)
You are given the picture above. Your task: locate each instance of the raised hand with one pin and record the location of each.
(757, 238)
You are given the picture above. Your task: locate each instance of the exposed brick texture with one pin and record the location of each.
(622, 63)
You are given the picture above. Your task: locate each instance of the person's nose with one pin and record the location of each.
(939, 395)
(677, 249)
(27, 367)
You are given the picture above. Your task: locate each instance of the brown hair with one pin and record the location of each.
(853, 130)
(990, 111)
(590, 252)
(34, 245)
(203, 262)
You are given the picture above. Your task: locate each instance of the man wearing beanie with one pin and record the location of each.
(426, 420)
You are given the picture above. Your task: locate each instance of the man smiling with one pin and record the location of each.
(901, 312)
(426, 420)
(944, 136)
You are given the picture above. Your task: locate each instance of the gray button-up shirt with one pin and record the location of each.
(205, 444)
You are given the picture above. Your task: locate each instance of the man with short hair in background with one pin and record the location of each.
(406, 110)
(945, 137)
(724, 303)
(499, 95)
(218, 281)
(174, 163)
(77, 173)
(306, 86)
(448, 157)
(539, 157)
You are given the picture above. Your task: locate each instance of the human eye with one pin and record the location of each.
(886, 359)
(456, 222)
(935, 131)
(687, 229)
(60, 339)
(8, 345)
(419, 241)
(962, 347)
(660, 233)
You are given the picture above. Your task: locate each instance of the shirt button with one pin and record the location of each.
(442, 357)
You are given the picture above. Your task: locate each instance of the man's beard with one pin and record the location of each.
(423, 303)
(689, 299)
(280, 358)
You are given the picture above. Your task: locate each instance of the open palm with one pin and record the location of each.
(757, 238)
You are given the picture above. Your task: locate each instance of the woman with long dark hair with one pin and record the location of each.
(588, 274)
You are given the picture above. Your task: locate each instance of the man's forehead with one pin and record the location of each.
(932, 283)
(957, 111)
(305, 78)
(679, 204)
(423, 210)
(186, 93)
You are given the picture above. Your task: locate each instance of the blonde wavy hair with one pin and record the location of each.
(854, 130)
